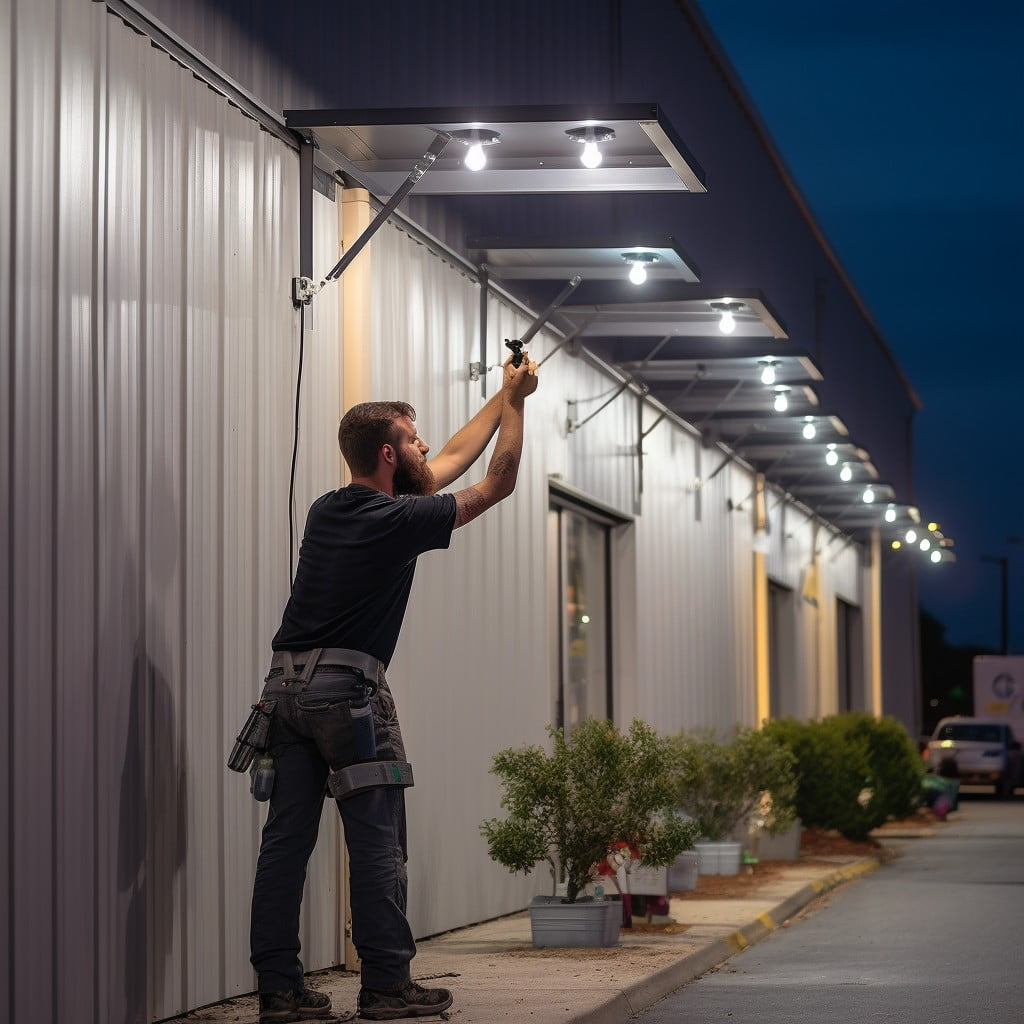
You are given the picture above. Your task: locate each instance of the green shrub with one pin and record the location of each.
(854, 772)
(895, 768)
(721, 783)
(568, 807)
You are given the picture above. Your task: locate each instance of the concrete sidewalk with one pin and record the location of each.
(496, 974)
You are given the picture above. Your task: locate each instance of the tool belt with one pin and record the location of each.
(290, 667)
(338, 715)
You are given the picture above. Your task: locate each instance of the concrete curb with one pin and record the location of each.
(641, 995)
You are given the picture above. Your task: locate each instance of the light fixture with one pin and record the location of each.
(933, 527)
(589, 137)
(781, 403)
(925, 543)
(475, 139)
(767, 370)
(639, 262)
(911, 536)
(831, 456)
(896, 545)
(728, 311)
(936, 556)
(890, 514)
(846, 473)
(868, 496)
(810, 430)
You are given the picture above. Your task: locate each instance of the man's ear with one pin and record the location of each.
(388, 451)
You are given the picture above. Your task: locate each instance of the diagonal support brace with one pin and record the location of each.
(303, 288)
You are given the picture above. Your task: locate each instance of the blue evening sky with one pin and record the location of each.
(901, 121)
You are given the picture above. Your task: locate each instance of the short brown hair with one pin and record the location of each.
(364, 428)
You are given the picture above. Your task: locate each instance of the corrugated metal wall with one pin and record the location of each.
(150, 348)
(148, 238)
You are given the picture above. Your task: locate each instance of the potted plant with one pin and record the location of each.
(571, 806)
(722, 783)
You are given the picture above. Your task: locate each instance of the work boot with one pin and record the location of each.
(293, 1005)
(408, 1000)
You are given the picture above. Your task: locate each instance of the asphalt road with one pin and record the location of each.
(935, 936)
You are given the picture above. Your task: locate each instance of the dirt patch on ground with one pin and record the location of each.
(816, 842)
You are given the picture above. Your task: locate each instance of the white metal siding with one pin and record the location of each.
(150, 351)
(148, 242)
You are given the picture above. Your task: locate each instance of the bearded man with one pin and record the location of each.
(338, 633)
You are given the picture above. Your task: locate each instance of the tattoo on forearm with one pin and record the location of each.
(503, 466)
(468, 505)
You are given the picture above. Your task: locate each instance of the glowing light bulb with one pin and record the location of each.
(911, 536)
(925, 543)
(896, 545)
(831, 456)
(768, 374)
(475, 159)
(846, 474)
(727, 324)
(591, 156)
(890, 515)
(868, 496)
(936, 556)
(810, 430)
(933, 527)
(781, 402)
(638, 273)
(585, 619)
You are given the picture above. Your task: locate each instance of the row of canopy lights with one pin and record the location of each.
(640, 261)
(929, 541)
(477, 139)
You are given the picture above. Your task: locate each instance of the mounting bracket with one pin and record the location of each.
(303, 288)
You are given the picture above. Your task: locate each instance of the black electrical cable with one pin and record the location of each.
(295, 449)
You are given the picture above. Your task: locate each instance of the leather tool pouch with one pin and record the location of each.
(252, 740)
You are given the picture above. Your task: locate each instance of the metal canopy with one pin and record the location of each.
(593, 259)
(534, 155)
(690, 317)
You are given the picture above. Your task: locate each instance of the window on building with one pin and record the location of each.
(783, 698)
(849, 657)
(581, 550)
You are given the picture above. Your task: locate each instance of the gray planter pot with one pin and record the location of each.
(586, 922)
(721, 858)
(684, 872)
(782, 847)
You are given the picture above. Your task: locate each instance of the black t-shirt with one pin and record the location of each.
(356, 565)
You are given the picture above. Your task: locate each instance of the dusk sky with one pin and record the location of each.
(901, 121)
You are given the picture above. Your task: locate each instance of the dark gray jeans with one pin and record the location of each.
(304, 748)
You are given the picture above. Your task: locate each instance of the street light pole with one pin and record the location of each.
(1004, 599)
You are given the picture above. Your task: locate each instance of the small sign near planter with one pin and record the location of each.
(721, 858)
(587, 922)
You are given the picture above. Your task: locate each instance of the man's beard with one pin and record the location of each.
(413, 475)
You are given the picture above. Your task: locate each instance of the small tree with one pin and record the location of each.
(721, 783)
(568, 807)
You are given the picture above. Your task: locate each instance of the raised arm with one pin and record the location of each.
(467, 445)
(503, 469)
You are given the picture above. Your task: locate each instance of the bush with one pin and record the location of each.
(895, 766)
(854, 772)
(570, 806)
(722, 783)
